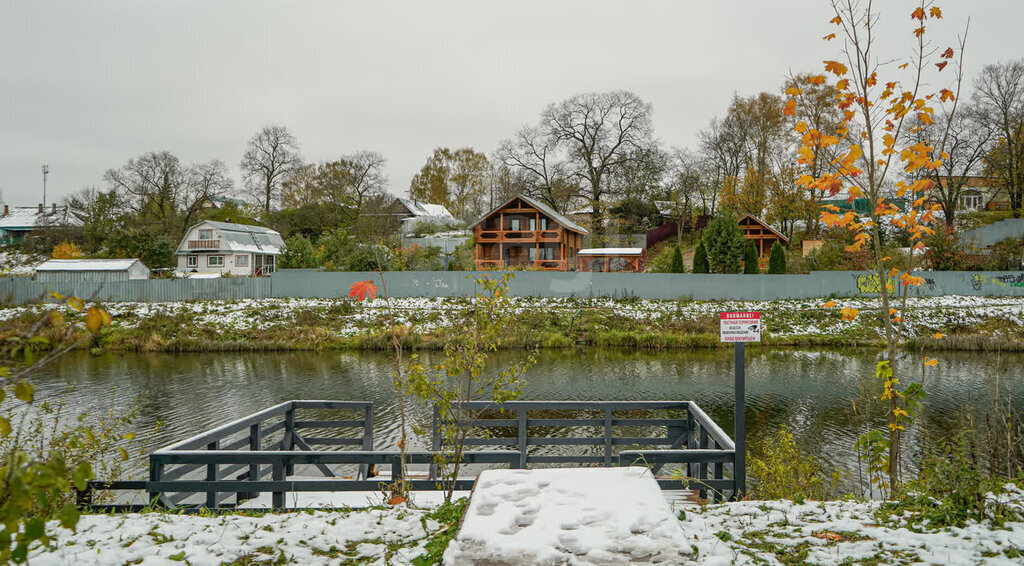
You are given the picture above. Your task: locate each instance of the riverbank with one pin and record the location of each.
(747, 532)
(966, 323)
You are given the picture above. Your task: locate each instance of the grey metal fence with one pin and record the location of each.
(309, 283)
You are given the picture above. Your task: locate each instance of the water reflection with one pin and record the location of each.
(822, 395)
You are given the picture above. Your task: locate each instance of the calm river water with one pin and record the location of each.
(812, 391)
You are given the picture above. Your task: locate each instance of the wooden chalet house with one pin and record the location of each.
(763, 235)
(525, 231)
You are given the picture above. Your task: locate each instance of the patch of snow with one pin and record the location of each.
(568, 516)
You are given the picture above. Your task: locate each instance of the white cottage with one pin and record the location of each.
(226, 247)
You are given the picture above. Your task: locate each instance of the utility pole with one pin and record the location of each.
(46, 171)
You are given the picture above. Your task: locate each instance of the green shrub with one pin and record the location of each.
(777, 259)
(782, 471)
(677, 261)
(298, 253)
(700, 259)
(724, 243)
(750, 259)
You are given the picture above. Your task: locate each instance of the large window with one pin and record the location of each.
(215, 261)
(192, 261)
(970, 201)
(514, 225)
(206, 234)
(241, 261)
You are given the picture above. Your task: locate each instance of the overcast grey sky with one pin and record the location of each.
(86, 85)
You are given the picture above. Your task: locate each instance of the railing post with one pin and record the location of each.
(522, 438)
(702, 469)
(607, 437)
(277, 474)
(691, 439)
(288, 442)
(435, 442)
(255, 445)
(156, 473)
(364, 469)
(211, 475)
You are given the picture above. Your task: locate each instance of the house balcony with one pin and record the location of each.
(520, 236)
(204, 244)
(548, 264)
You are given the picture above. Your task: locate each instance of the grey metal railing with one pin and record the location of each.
(258, 453)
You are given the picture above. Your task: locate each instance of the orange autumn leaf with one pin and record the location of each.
(829, 535)
(904, 66)
(793, 91)
(942, 65)
(935, 12)
(790, 109)
(835, 67)
(946, 95)
(836, 20)
(919, 31)
(396, 500)
(931, 362)
(948, 53)
(360, 289)
(816, 80)
(800, 126)
(896, 319)
(938, 336)
(849, 313)
(829, 37)
(829, 305)
(917, 14)
(893, 311)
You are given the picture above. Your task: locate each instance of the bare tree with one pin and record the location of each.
(999, 97)
(166, 194)
(271, 155)
(599, 133)
(533, 155)
(968, 141)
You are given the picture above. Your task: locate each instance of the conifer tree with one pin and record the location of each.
(677, 261)
(700, 259)
(750, 259)
(777, 259)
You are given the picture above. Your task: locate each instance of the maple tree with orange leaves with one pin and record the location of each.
(876, 115)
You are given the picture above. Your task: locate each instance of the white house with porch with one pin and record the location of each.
(225, 247)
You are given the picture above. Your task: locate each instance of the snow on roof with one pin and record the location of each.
(238, 238)
(87, 264)
(611, 251)
(423, 209)
(28, 217)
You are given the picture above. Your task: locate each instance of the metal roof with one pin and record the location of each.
(611, 251)
(238, 238)
(88, 265)
(423, 209)
(547, 210)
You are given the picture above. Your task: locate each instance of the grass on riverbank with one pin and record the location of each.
(967, 323)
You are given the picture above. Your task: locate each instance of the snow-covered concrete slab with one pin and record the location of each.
(568, 516)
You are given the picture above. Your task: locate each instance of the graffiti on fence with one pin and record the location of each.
(979, 279)
(1010, 280)
(869, 283)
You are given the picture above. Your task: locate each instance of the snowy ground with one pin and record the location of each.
(749, 532)
(783, 318)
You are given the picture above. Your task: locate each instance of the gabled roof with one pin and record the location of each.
(545, 209)
(88, 265)
(423, 209)
(238, 238)
(763, 224)
(29, 217)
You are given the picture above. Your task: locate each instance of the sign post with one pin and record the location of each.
(740, 328)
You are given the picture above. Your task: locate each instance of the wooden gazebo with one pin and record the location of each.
(763, 235)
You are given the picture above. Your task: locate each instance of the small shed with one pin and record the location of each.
(763, 235)
(610, 259)
(69, 271)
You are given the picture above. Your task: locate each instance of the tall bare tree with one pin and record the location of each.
(968, 141)
(165, 193)
(271, 155)
(999, 96)
(347, 182)
(532, 154)
(599, 133)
